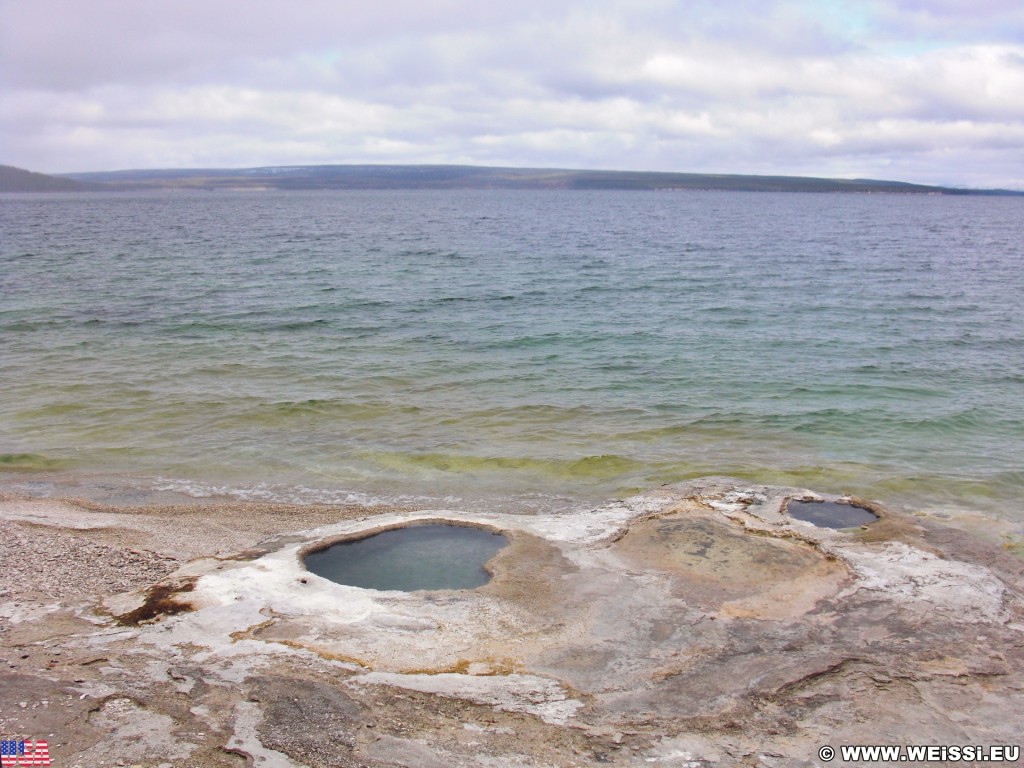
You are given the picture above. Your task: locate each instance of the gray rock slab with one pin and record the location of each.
(696, 624)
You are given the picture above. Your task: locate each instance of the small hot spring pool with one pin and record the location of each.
(434, 556)
(830, 514)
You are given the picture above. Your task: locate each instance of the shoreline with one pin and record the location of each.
(275, 505)
(605, 636)
(184, 531)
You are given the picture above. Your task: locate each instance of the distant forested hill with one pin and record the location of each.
(308, 177)
(481, 177)
(17, 180)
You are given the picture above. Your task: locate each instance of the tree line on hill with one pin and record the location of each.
(443, 177)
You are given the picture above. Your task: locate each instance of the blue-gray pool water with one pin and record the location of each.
(829, 514)
(412, 558)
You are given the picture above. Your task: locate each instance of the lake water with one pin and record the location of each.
(516, 349)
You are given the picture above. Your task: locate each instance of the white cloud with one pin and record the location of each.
(899, 89)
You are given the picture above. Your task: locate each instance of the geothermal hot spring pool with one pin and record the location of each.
(830, 514)
(415, 557)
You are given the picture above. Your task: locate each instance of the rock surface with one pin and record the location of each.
(695, 625)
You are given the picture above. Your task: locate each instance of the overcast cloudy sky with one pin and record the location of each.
(919, 90)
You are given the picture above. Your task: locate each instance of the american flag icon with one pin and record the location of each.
(15, 753)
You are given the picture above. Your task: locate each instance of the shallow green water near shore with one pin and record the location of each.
(518, 349)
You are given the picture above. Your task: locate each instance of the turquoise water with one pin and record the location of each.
(523, 350)
(412, 558)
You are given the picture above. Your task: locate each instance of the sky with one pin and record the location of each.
(927, 91)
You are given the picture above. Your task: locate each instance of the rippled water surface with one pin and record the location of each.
(519, 349)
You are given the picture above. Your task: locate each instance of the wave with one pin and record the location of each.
(30, 461)
(594, 467)
(279, 493)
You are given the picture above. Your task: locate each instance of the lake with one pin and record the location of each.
(520, 350)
